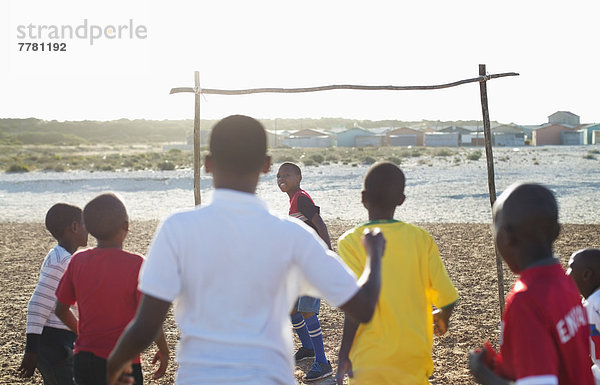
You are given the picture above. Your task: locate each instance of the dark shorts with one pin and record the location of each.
(90, 369)
(55, 356)
(308, 305)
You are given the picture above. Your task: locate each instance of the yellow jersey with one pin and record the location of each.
(395, 346)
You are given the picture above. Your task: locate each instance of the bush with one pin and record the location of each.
(394, 159)
(475, 155)
(589, 156)
(15, 168)
(165, 166)
(442, 152)
(309, 162)
(318, 158)
(369, 160)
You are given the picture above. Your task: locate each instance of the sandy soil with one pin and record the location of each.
(466, 249)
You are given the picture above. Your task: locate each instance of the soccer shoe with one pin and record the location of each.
(318, 370)
(303, 354)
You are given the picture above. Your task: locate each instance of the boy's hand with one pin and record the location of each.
(344, 367)
(28, 365)
(373, 242)
(121, 376)
(163, 364)
(481, 371)
(440, 322)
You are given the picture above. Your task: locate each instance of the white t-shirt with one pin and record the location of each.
(40, 309)
(234, 271)
(592, 306)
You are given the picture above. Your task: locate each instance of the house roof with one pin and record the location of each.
(564, 112)
(403, 129)
(358, 130)
(455, 129)
(508, 129)
(308, 132)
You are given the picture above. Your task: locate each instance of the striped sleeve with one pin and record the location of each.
(40, 310)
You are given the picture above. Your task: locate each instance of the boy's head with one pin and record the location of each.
(238, 145)
(105, 216)
(289, 177)
(63, 221)
(525, 224)
(383, 187)
(584, 268)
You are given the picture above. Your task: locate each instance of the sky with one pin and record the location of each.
(127, 55)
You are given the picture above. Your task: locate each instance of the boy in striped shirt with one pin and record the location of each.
(50, 342)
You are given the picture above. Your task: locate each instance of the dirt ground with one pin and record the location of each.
(466, 249)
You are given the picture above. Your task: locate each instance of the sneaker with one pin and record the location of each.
(318, 370)
(304, 354)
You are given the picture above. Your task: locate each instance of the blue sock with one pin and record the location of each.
(314, 330)
(302, 331)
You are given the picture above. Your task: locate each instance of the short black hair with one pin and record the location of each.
(530, 209)
(238, 144)
(60, 216)
(384, 185)
(104, 216)
(293, 166)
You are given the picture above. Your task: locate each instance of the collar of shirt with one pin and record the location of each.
(228, 196)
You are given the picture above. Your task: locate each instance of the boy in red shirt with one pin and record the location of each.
(103, 281)
(304, 316)
(544, 337)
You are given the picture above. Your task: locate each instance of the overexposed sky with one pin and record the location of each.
(248, 44)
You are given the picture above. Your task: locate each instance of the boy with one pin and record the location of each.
(544, 336)
(584, 268)
(50, 342)
(103, 282)
(396, 346)
(305, 320)
(235, 270)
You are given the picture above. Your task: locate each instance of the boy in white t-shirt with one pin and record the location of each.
(584, 268)
(49, 346)
(235, 271)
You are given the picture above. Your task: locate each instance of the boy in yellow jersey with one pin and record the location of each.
(395, 346)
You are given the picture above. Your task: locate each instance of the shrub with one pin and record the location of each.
(14, 168)
(309, 162)
(369, 160)
(394, 159)
(165, 166)
(442, 152)
(475, 155)
(318, 158)
(589, 156)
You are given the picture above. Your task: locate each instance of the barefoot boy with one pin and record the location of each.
(235, 271)
(395, 346)
(584, 268)
(50, 342)
(544, 337)
(103, 281)
(304, 316)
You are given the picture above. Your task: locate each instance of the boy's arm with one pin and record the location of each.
(362, 305)
(64, 313)
(138, 335)
(321, 229)
(344, 363)
(161, 355)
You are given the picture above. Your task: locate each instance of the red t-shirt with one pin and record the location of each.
(545, 330)
(103, 282)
